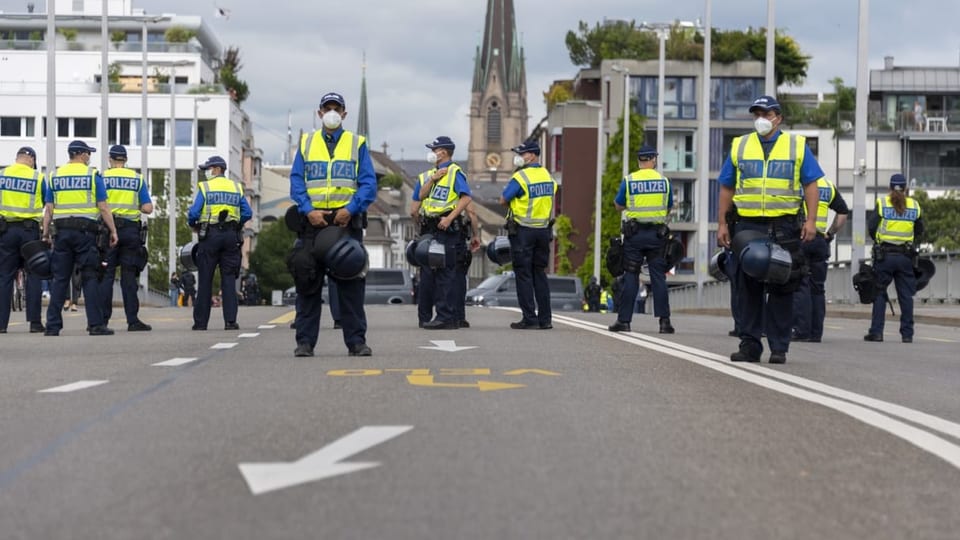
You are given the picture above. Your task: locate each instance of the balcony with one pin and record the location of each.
(81, 88)
(935, 177)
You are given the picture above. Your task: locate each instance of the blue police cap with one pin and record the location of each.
(442, 142)
(528, 146)
(27, 151)
(898, 180)
(79, 147)
(213, 161)
(118, 151)
(333, 97)
(765, 103)
(647, 151)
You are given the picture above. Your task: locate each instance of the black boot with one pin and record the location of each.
(665, 327)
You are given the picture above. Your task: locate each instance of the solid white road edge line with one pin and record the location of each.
(937, 446)
(79, 385)
(927, 420)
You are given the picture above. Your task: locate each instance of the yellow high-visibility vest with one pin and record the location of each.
(442, 198)
(331, 180)
(768, 187)
(647, 194)
(74, 191)
(534, 207)
(219, 194)
(123, 192)
(21, 192)
(896, 228)
(828, 192)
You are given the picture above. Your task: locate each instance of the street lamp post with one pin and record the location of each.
(104, 86)
(196, 142)
(703, 170)
(172, 180)
(597, 239)
(663, 33)
(626, 117)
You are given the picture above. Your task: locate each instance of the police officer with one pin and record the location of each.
(74, 196)
(21, 210)
(218, 213)
(768, 175)
(128, 197)
(895, 227)
(809, 302)
(645, 198)
(425, 291)
(470, 226)
(530, 195)
(332, 182)
(443, 198)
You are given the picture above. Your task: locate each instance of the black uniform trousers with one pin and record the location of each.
(15, 236)
(644, 245)
(446, 288)
(349, 297)
(730, 269)
(898, 268)
(425, 294)
(764, 309)
(74, 247)
(126, 254)
(221, 248)
(530, 251)
(810, 300)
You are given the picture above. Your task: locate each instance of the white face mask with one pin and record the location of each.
(332, 119)
(518, 161)
(763, 126)
(208, 174)
(431, 157)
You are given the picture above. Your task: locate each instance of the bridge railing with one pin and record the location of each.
(944, 288)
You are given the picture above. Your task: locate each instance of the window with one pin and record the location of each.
(813, 143)
(679, 97)
(119, 132)
(157, 133)
(30, 128)
(85, 127)
(63, 127)
(730, 98)
(10, 126)
(182, 133)
(206, 132)
(493, 123)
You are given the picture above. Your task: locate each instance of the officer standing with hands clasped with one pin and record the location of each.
(768, 175)
(529, 195)
(127, 196)
(21, 209)
(443, 198)
(217, 214)
(645, 198)
(895, 227)
(332, 182)
(74, 196)
(810, 302)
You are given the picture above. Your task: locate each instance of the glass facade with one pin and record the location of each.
(679, 97)
(730, 98)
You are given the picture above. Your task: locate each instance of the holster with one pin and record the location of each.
(202, 233)
(629, 227)
(143, 233)
(512, 227)
(103, 248)
(614, 257)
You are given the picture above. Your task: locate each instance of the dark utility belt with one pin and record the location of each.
(18, 222)
(225, 226)
(124, 222)
(896, 248)
(787, 218)
(79, 224)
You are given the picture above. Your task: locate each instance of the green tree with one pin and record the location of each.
(621, 39)
(941, 219)
(559, 92)
(269, 259)
(157, 237)
(830, 114)
(563, 228)
(612, 175)
(390, 180)
(228, 75)
(178, 34)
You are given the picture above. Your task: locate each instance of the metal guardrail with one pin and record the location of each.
(944, 288)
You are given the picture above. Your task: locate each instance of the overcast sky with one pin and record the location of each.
(420, 53)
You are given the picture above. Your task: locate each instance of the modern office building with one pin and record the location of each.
(189, 115)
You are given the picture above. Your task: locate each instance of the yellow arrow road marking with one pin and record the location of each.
(535, 371)
(285, 318)
(483, 386)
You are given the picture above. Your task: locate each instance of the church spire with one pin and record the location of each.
(363, 120)
(500, 52)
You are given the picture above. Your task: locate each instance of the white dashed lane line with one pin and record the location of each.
(266, 326)
(79, 385)
(173, 362)
(224, 345)
(250, 335)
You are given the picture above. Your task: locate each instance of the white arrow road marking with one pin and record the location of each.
(175, 362)
(447, 346)
(224, 346)
(79, 385)
(266, 326)
(249, 335)
(324, 463)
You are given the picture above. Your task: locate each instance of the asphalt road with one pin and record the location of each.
(570, 433)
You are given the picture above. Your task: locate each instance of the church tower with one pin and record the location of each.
(498, 106)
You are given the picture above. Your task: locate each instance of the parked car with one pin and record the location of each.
(384, 286)
(566, 292)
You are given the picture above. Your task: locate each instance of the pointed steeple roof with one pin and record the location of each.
(500, 50)
(363, 120)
